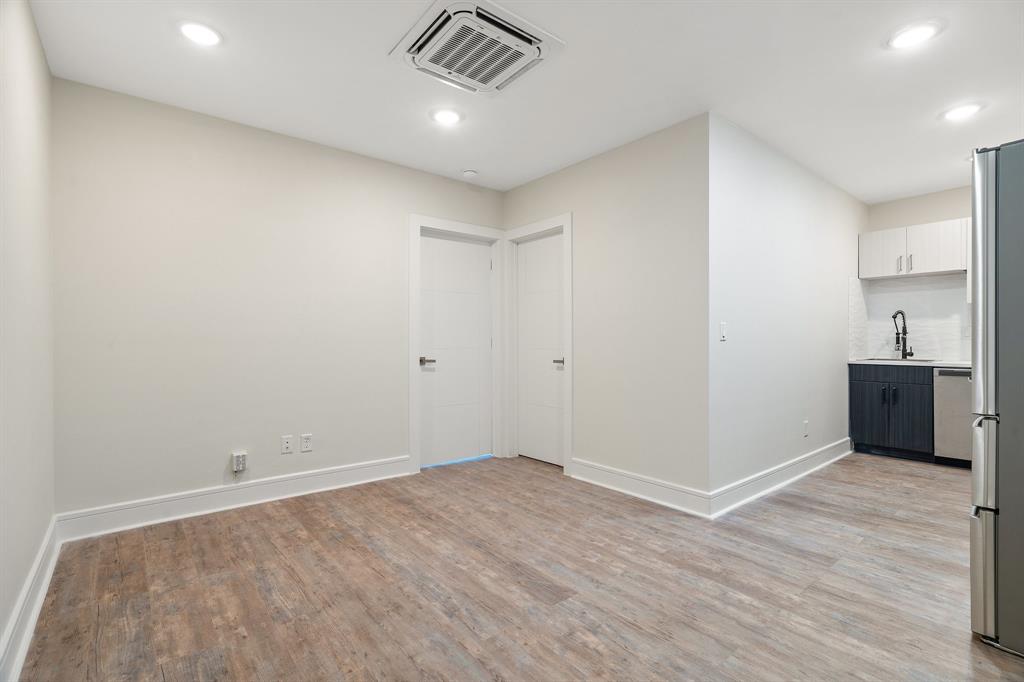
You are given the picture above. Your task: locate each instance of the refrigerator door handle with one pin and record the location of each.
(984, 448)
(983, 281)
(983, 572)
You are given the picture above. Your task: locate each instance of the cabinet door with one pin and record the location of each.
(882, 253)
(872, 251)
(911, 417)
(936, 247)
(869, 413)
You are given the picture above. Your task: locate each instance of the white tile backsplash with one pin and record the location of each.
(938, 317)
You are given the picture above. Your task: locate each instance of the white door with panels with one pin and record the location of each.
(455, 350)
(541, 371)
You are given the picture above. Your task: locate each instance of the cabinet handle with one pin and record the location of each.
(884, 401)
(899, 264)
(895, 395)
(910, 263)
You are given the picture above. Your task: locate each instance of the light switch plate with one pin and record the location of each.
(721, 331)
(306, 442)
(287, 444)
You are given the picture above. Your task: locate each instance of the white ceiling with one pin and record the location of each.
(813, 79)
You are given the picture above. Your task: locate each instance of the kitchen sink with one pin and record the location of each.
(901, 359)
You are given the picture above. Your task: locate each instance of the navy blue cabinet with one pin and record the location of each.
(891, 410)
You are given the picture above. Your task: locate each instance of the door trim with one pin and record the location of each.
(420, 226)
(561, 224)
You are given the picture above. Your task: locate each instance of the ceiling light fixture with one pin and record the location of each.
(912, 36)
(446, 117)
(200, 35)
(469, 174)
(962, 112)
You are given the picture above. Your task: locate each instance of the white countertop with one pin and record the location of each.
(959, 364)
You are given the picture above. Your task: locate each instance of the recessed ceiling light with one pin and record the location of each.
(469, 174)
(200, 35)
(446, 117)
(962, 112)
(912, 36)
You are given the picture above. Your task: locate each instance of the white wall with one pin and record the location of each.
(938, 317)
(925, 208)
(218, 286)
(783, 243)
(26, 328)
(640, 299)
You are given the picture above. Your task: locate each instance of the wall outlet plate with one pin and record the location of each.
(238, 463)
(287, 444)
(306, 442)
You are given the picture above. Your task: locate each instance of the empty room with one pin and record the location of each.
(517, 340)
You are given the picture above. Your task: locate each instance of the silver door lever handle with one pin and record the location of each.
(559, 362)
(426, 361)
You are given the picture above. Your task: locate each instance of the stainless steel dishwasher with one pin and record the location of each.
(953, 416)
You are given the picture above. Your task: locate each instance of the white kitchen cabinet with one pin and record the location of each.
(883, 253)
(926, 249)
(936, 247)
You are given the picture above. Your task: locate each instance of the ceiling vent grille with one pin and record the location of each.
(476, 46)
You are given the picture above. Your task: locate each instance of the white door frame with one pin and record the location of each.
(558, 225)
(420, 225)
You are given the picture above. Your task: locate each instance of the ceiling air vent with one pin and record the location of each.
(476, 46)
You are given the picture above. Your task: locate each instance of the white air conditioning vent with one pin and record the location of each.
(476, 46)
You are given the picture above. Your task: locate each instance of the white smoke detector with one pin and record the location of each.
(476, 46)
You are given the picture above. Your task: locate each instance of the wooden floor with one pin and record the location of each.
(507, 569)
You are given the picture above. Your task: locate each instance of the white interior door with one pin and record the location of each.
(541, 379)
(455, 345)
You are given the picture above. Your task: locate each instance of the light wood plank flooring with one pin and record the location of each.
(506, 569)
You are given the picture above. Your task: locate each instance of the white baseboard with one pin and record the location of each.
(738, 493)
(110, 518)
(709, 504)
(689, 500)
(17, 633)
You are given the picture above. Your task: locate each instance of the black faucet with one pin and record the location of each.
(901, 341)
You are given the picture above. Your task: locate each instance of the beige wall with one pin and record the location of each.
(926, 208)
(783, 247)
(26, 328)
(640, 251)
(218, 286)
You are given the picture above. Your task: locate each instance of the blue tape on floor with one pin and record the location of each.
(478, 458)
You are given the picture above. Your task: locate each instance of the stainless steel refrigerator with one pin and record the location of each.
(997, 321)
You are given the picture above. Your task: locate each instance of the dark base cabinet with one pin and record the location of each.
(891, 410)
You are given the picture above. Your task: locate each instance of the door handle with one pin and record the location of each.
(426, 361)
(559, 362)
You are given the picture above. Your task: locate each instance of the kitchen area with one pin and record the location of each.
(936, 372)
(910, 342)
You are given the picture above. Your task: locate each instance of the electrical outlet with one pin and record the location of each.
(306, 442)
(287, 444)
(238, 461)
(807, 427)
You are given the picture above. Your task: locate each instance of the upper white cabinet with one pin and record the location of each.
(883, 253)
(916, 250)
